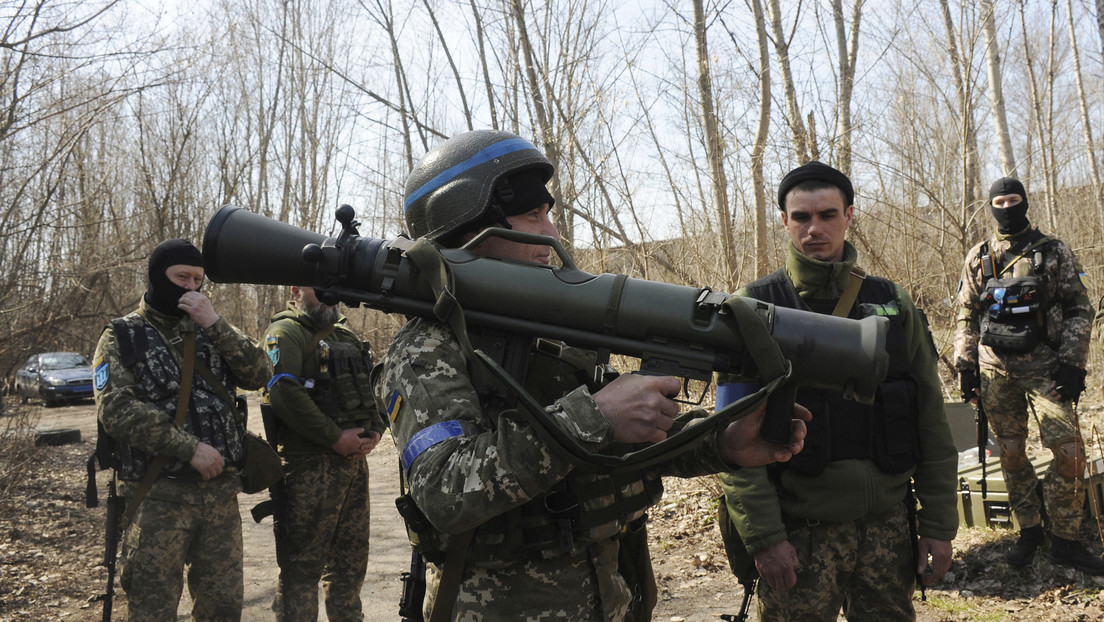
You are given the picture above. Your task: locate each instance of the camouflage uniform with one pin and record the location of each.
(848, 523)
(183, 520)
(491, 466)
(1010, 382)
(326, 495)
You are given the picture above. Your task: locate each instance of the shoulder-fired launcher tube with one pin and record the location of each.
(674, 329)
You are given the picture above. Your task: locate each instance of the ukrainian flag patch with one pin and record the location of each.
(394, 404)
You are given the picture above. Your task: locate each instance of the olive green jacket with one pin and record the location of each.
(851, 489)
(304, 428)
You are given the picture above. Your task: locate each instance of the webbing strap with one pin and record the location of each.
(850, 292)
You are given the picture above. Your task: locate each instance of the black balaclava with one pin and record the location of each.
(162, 294)
(520, 193)
(1009, 219)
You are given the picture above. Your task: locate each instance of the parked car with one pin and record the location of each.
(55, 377)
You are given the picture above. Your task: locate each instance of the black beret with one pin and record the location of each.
(815, 171)
(1007, 185)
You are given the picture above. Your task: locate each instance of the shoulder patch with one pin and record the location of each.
(101, 374)
(1084, 279)
(272, 343)
(394, 404)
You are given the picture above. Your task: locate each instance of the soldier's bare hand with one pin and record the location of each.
(207, 461)
(741, 445)
(199, 307)
(368, 442)
(349, 443)
(940, 552)
(638, 408)
(777, 565)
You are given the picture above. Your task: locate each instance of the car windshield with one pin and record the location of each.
(64, 360)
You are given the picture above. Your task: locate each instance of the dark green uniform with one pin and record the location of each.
(319, 389)
(840, 502)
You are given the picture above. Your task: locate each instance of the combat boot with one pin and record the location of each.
(1024, 549)
(1072, 553)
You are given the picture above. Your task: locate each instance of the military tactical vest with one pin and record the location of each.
(580, 509)
(157, 375)
(886, 432)
(1014, 317)
(343, 389)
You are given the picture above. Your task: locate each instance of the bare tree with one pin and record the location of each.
(847, 48)
(789, 91)
(1083, 108)
(714, 147)
(971, 169)
(762, 204)
(996, 96)
(1042, 118)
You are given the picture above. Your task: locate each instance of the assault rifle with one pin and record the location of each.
(675, 330)
(113, 530)
(276, 505)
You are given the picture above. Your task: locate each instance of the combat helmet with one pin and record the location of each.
(457, 184)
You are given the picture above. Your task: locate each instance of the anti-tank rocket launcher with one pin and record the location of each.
(675, 330)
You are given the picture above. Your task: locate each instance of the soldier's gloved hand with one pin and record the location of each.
(1069, 382)
(969, 383)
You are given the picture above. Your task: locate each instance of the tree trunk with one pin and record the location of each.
(548, 135)
(1041, 122)
(714, 148)
(1083, 106)
(971, 172)
(793, 111)
(847, 47)
(762, 205)
(996, 98)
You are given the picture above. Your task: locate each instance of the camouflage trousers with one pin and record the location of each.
(581, 586)
(327, 521)
(184, 524)
(864, 567)
(1008, 403)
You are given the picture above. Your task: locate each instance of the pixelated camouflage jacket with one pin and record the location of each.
(123, 403)
(499, 462)
(306, 429)
(850, 489)
(1068, 320)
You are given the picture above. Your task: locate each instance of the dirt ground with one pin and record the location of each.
(51, 547)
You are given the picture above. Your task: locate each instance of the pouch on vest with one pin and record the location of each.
(896, 443)
(1012, 320)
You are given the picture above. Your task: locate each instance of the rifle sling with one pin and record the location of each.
(850, 292)
(186, 373)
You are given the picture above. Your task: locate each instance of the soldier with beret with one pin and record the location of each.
(1021, 343)
(829, 530)
(181, 481)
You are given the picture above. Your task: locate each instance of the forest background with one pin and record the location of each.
(123, 123)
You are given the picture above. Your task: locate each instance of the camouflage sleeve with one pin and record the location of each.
(1072, 294)
(936, 475)
(289, 398)
(246, 359)
(124, 415)
(968, 302)
(465, 464)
